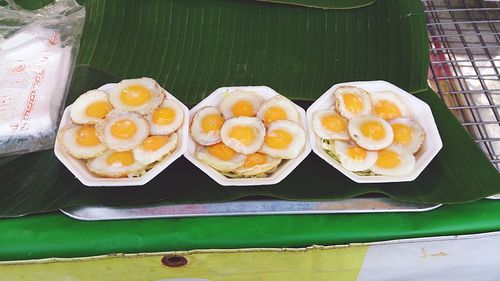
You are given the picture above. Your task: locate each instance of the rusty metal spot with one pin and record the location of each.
(174, 261)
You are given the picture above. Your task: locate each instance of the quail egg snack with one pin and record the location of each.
(123, 131)
(369, 133)
(246, 135)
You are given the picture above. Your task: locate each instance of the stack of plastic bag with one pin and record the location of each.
(37, 54)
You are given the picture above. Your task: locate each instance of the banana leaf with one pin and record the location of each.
(322, 4)
(193, 47)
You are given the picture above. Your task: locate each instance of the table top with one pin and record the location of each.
(55, 235)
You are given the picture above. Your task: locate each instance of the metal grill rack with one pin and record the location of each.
(464, 40)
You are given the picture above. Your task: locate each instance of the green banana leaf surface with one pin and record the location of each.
(193, 47)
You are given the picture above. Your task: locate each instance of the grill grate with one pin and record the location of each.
(464, 42)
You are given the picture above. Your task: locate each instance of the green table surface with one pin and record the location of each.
(55, 235)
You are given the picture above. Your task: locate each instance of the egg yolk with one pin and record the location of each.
(87, 136)
(353, 103)
(212, 122)
(98, 109)
(334, 123)
(243, 108)
(356, 153)
(221, 151)
(244, 134)
(255, 159)
(388, 159)
(278, 139)
(135, 95)
(164, 116)
(153, 143)
(373, 130)
(402, 133)
(274, 113)
(386, 110)
(120, 159)
(123, 129)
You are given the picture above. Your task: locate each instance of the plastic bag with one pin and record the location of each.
(38, 51)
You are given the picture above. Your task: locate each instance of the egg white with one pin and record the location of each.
(103, 130)
(235, 96)
(294, 148)
(259, 132)
(406, 166)
(100, 167)
(147, 157)
(197, 133)
(79, 107)
(271, 164)
(157, 95)
(220, 165)
(68, 141)
(354, 164)
(159, 129)
(281, 102)
(360, 93)
(323, 132)
(390, 97)
(417, 136)
(365, 142)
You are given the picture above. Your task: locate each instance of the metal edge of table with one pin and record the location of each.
(246, 207)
